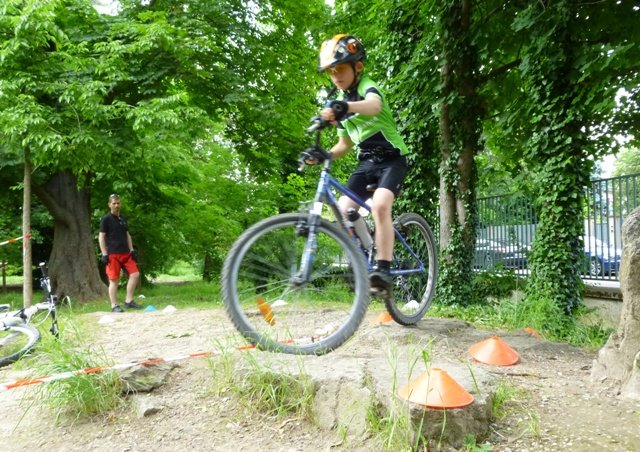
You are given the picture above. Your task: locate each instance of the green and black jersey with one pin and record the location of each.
(371, 132)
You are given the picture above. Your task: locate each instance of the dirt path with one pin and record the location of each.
(561, 408)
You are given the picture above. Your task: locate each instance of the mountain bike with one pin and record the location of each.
(298, 282)
(18, 329)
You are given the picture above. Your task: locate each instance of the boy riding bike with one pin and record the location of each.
(364, 121)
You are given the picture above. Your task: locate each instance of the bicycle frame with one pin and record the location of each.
(24, 315)
(325, 196)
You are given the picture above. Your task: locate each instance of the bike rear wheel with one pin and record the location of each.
(412, 292)
(272, 308)
(15, 341)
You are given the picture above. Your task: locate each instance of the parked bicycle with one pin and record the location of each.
(298, 282)
(19, 329)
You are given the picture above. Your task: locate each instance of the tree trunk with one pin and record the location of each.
(619, 360)
(73, 266)
(27, 265)
(460, 115)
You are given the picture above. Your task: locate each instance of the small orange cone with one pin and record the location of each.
(436, 389)
(383, 318)
(265, 310)
(494, 351)
(532, 332)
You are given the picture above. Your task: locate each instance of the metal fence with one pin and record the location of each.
(507, 226)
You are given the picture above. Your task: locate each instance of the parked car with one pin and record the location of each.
(489, 253)
(600, 258)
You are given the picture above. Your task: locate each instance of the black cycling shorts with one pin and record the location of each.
(387, 173)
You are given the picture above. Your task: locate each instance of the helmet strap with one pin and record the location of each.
(356, 76)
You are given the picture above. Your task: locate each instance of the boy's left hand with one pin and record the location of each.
(335, 111)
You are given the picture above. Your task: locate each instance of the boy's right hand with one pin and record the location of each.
(314, 156)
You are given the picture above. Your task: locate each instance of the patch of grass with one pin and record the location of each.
(83, 395)
(199, 295)
(278, 394)
(541, 314)
(180, 271)
(471, 445)
(223, 369)
(259, 388)
(12, 298)
(510, 401)
(14, 279)
(394, 426)
(504, 396)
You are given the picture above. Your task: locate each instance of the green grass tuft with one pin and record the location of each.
(84, 395)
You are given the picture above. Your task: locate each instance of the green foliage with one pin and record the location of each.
(628, 162)
(196, 115)
(402, 57)
(454, 281)
(495, 283)
(547, 79)
(556, 149)
(184, 112)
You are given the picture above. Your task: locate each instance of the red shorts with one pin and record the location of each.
(117, 261)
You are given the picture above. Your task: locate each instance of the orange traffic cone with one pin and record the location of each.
(383, 318)
(494, 351)
(532, 332)
(436, 389)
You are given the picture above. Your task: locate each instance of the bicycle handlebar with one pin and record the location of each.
(318, 124)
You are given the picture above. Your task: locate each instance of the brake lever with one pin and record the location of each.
(318, 124)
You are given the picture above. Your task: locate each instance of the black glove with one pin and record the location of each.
(314, 156)
(104, 259)
(340, 108)
(134, 255)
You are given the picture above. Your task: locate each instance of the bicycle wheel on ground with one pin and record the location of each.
(268, 304)
(413, 291)
(15, 341)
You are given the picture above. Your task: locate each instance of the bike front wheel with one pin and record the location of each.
(15, 341)
(413, 289)
(273, 305)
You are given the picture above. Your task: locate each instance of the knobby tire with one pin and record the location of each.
(15, 341)
(271, 310)
(413, 294)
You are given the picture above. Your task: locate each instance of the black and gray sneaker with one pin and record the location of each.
(380, 283)
(132, 305)
(117, 308)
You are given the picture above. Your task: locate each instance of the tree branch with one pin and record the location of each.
(58, 213)
(500, 71)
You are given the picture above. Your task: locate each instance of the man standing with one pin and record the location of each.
(117, 252)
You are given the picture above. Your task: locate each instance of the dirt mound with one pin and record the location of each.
(558, 406)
